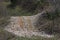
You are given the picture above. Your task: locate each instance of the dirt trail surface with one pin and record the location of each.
(23, 26)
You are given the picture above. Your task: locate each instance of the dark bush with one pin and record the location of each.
(28, 5)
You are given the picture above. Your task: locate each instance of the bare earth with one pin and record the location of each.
(23, 26)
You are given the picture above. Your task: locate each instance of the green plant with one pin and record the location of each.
(52, 16)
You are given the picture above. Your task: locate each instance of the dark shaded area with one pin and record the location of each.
(28, 5)
(49, 22)
(13, 4)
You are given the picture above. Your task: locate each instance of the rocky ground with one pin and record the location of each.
(23, 26)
